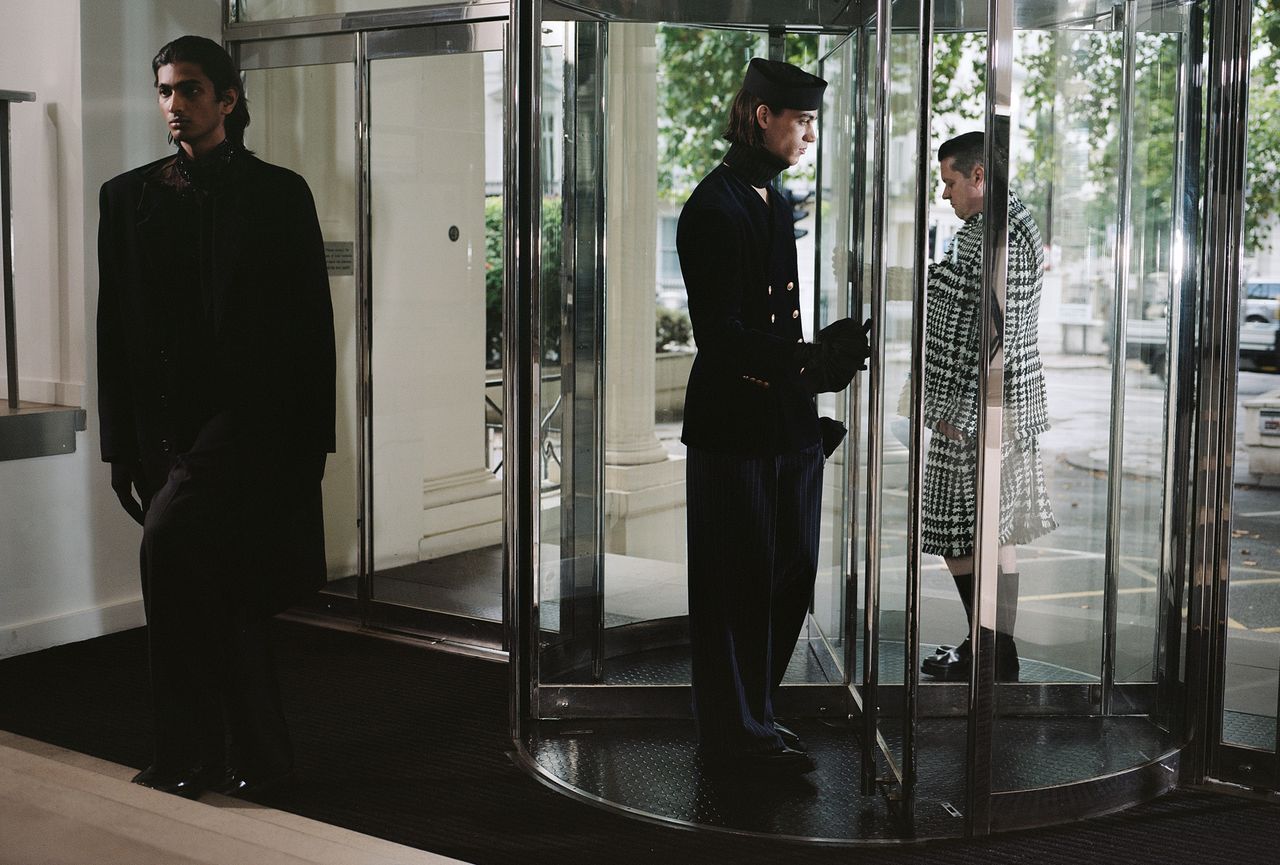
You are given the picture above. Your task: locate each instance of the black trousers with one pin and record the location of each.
(212, 576)
(753, 556)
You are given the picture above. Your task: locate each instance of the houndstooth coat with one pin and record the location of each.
(952, 330)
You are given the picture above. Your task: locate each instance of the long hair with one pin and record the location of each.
(741, 127)
(217, 64)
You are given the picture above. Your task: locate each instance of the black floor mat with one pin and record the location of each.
(412, 745)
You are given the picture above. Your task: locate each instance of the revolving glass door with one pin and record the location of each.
(398, 127)
(1093, 115)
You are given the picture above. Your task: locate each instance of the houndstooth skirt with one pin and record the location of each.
(949, 500)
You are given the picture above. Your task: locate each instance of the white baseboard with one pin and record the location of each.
(23, 637)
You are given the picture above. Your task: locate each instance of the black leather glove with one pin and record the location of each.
(123, 481)
(829, 364)
(851, 341)
(833, 432)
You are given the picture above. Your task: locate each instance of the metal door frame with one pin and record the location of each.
(359, 39)
(1212, 761)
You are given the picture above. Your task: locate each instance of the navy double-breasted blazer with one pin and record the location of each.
(738, 259)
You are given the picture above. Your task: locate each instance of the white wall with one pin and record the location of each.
(68, 554)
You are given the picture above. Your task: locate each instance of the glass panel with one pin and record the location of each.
(833, 270)
(1252, 686)
(1153, 178)
(302, 119)
(621, 558)
(1083, 458)
(899, 250)
(819, 653)
(862, 298)
(270, 10)
(1063, 166)
(644, 507)
(950, 376)
(435, 136)
(568, 593)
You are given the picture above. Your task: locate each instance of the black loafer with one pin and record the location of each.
(951, 665)
(187, 783)
(789, 738)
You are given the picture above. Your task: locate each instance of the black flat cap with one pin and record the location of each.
(781, 85)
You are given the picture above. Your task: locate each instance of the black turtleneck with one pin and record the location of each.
(755, 165)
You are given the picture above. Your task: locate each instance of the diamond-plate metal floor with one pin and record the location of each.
(1252, 731)
(810, 663)
(651, 768)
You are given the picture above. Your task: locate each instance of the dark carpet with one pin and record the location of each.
(411, 745)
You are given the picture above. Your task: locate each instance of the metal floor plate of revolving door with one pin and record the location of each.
(810, 663)
(651, 769)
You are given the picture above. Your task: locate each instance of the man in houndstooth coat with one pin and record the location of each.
(952, 331)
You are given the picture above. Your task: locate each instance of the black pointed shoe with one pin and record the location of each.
(187, 783)
(789, 738)
(241, 782)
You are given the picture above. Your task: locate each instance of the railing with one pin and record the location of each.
(26, 430)
(6, 240)
(493, 431)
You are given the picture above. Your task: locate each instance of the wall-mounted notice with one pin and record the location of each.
(340, 257)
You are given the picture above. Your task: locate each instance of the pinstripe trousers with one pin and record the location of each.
(753, 555)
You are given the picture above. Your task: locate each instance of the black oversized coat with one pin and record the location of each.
(216, 316)
(738, 259)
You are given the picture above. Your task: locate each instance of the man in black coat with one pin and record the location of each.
(216, 379)
(755, 442)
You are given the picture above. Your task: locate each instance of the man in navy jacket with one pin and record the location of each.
(216, 382)
(755, 453)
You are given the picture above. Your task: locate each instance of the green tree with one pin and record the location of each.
(699, 72)
(493, 279)
(1262, 162)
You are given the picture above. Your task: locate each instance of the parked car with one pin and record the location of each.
(1260, 345)
(1262, 301)
(1259, 336)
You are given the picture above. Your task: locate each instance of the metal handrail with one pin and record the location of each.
(548, 453)
(6, 241)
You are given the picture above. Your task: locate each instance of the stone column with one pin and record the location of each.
(644, 487)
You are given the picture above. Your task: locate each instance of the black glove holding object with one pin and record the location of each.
(842, 349)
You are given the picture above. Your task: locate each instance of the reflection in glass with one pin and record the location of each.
(644, 513)
(435, 136)
(302, 119)
(832, 274)
(861, 388)
(896, 326)
(1153, 180)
